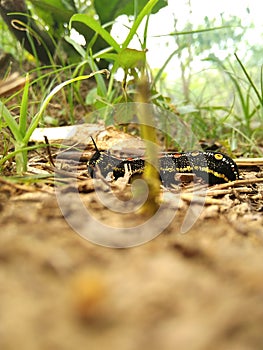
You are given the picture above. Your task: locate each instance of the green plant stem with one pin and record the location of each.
(20, 158)
(148, 134)
(144, 12)
(24, 108)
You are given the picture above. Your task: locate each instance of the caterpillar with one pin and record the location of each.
(212, 167)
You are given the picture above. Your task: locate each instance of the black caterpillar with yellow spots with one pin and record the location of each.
(212, 167)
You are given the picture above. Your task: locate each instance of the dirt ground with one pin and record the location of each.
(200, 290)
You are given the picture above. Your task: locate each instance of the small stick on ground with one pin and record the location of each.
(238, 183)
(50, 158)
(249, 161)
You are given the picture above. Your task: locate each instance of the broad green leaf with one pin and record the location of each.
(91, 97)
(109, 56)
(54, 12)
(131, 58)
(108, 10)
(127, 58)
(55, 5)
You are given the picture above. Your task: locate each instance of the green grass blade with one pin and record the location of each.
(249, 139)
(250, 80)
(38, 116)
(17, 151)
(237, 85)
(24, 108)
(11, 123)
(193, 31)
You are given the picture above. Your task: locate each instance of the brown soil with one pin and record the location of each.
(194, 291)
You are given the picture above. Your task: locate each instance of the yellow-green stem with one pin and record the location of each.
(148, 133)
(20, 159)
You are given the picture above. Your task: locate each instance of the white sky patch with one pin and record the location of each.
(77, 37)
(159, 48)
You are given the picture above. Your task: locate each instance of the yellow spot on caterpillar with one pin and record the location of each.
(218, 156)
(185, 169)
(211, 171)
(220, 175)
